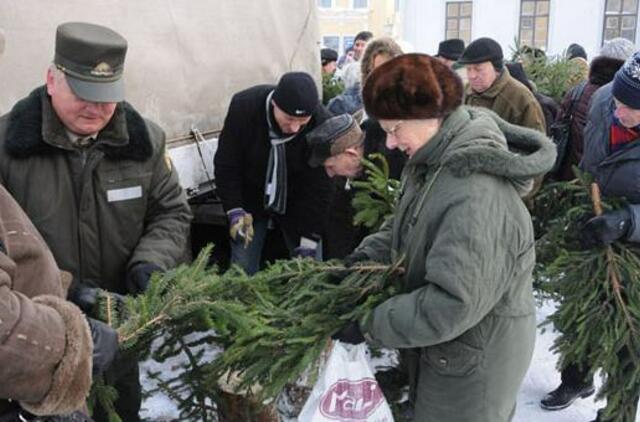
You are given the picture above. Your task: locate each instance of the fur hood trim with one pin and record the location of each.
(491, 145)
(383, 45)
(72, 378)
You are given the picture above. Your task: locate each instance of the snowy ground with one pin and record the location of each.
(541, 378)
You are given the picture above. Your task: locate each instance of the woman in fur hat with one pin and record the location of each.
(465, 318)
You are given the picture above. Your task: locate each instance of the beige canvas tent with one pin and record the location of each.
(186, 57)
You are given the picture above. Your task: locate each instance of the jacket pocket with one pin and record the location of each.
(454, 358)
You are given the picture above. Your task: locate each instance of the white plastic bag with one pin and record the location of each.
(346, 390)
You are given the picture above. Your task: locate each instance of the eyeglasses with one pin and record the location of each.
(393, 129)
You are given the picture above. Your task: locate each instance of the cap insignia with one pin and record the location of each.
(102, 69)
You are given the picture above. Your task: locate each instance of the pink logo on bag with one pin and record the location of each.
(351, 400)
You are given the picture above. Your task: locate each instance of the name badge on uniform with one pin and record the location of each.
(124, 194)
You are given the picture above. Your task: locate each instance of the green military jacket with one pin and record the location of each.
(510, 100)
(102, 208)
(467, 243)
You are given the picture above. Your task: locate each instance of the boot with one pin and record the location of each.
(566, 394)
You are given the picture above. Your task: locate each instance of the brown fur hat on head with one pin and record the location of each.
(375, 47)
(412, 86)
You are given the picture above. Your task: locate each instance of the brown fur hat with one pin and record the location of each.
(412, 86)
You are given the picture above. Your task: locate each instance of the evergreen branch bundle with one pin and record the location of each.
(376, 196)
(289, 325)
(599, 295)
(272, 326)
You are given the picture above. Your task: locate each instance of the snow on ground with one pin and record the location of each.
(541, 378)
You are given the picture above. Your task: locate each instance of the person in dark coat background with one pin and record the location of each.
(612, 156)
(342, 235)
(601, 72)
(261, 170)
(449, 51)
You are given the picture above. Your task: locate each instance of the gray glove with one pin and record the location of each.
(105, 345)
(86, 297)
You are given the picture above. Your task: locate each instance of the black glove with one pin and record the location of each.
(139, 275)
(105, 345)
(350, 333)
(605, 229)
(86, 297)
(355, 257)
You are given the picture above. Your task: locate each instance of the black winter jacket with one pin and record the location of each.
(241, 165)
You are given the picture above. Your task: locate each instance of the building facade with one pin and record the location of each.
(551, 25)
(341, 20)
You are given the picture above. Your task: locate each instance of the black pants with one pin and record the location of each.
(124, 375)
(573, 376)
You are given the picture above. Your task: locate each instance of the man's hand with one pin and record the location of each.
(87, 297)
(605, 229)
(139, 275)
(308, 248)
(105, 345)
(355, 257)
(240, 225)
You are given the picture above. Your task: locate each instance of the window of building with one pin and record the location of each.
(360, 4)
(331, 41)
(458, 23)
(620, 20)
(534, 23)
(325, 4)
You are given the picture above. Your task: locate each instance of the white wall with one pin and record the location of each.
(570, 21)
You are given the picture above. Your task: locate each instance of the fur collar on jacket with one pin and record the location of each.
(603, 69)
(33, 125)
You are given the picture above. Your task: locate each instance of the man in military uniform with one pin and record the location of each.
(91, 174)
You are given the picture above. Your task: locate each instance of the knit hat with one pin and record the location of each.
(412, 86)
(451, 49)
(626, 83)
(328, 55)
(618, 48)
(483, 50)
(333, 137)
(296, 94)
(576, 50)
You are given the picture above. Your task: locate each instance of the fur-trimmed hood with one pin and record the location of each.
(477, 140)
(384, 45)
(34, 129)
(603, 69)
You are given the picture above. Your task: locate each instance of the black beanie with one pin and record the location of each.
(483, 50)
(296, 94)
(328, 55)
(451, 49)
(576, 50)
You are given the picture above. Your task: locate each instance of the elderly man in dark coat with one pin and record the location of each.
(491, 86)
